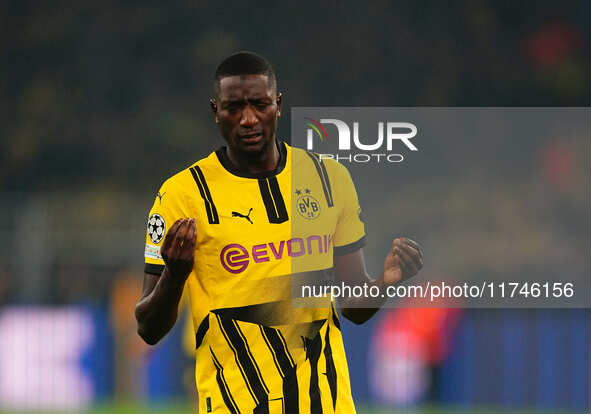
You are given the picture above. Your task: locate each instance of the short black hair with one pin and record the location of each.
(244, 63)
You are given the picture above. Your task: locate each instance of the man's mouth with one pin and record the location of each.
(251, 138)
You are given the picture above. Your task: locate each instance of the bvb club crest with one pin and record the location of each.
(307, 205)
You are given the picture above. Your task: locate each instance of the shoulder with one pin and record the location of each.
(185, 178)
(303, 160)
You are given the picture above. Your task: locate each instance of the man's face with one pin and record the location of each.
(246, 109)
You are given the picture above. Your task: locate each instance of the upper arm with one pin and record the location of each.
(169, 205)
(348, 259)
(349, 235)
(350, 268)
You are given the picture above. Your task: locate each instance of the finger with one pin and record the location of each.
(170, 234)
(180, 235)
(414, 244)
(395, 243)
(405, 241)
(192, 234)
(414, 254)
(406, 260)
(188, 249)
(174, 247)
(406, 271)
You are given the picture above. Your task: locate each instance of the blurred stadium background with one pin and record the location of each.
(100, 101)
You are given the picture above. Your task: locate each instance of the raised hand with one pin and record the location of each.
(178, 249)
(403, 261)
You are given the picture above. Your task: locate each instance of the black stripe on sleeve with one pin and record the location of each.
(327, 182)
(246, 363)
(273, 200)
(349, 248)
(153, 269)
(223, 386)
(323, 175)
(212, 213)
(285, 366)
(201, 331)
(331, 371)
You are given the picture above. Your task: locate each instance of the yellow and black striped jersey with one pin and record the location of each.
(258, 347)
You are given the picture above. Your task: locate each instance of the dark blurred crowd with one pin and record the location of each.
(115, 94)
(104, 99)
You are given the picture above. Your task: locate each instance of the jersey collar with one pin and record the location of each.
(223, 159)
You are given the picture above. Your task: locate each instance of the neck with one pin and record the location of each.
(260, 162)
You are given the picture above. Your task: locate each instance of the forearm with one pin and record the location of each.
(360, 309)
(404, 260)
(157, 312)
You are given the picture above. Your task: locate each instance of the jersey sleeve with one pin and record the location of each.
(350, 230)
(167, 209)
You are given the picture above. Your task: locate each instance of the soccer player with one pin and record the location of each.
(237, 229)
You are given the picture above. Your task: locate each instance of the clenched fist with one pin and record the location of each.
(404, 260)
(178, 249)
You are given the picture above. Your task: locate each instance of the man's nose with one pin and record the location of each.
(249, 118)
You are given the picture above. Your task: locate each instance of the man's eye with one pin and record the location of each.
(262, 106)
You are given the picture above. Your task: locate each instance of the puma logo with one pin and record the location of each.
(160, 196)
(247, 217)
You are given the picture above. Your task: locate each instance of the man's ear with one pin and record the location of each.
(214, 108)
(279, 101)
